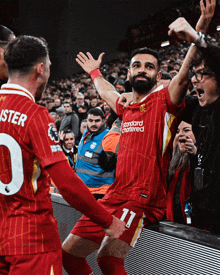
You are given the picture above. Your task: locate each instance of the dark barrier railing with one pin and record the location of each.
(164, 249)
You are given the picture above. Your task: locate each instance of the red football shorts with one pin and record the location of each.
(49, 263)
(133, 213)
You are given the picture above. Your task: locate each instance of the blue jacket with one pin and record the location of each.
(87, 167)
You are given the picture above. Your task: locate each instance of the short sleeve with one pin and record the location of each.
(119, 109)
(173, 109)
(44, 138)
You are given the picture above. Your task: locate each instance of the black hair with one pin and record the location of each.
(146, 50)
(96, 112)
(67, 102)
(24, 52)
(210, 63)
(68, 131)
(84, 120)
(165, 75)
(5, 35)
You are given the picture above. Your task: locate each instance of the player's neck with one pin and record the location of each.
(24, 82)
(137, 97)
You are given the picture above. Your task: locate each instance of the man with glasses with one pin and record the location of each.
(204, 199)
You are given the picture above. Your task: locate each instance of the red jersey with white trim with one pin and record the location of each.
(145, 149)
(28, 143)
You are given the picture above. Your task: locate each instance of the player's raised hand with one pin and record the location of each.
(207, 13)
(181, 29)
(116, 229)
(87, 62)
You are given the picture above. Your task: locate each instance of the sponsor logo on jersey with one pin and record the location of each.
(55, 148)
(52, 133)
(133, 126)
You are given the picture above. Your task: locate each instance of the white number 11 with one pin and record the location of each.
(125, 210)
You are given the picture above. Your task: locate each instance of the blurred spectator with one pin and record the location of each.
(83, 127)
(67, 140)
(173, 73)
(110, 143)
(177, 65)
(74, 90)
(79, 102)
(53, 114)
(82, 113)
(70, 120)
(92, 92)
(67, 98)
(57, 103)
(164, 66)
(165, 79)
(90, 147)
(60, 114)
(94, 102)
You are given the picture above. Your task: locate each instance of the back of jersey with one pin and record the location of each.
(28, 143)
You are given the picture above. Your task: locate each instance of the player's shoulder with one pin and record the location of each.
(40, 114)
(40, 109)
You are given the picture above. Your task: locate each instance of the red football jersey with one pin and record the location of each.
(28, 143)
(145, 149)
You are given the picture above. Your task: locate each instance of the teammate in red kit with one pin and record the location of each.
(6, 35)
(138, 194)
(29, 150)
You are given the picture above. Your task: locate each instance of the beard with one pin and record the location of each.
(142, 86)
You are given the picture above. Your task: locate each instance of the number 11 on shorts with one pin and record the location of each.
(125, 212)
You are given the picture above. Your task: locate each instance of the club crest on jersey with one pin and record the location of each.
(52, 132)
(142, 108)
(93, 145)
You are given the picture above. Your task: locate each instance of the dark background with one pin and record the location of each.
(70, 26)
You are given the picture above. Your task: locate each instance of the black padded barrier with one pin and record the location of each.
(164, 249)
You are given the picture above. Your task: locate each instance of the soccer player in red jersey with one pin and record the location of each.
(6, 35)
(138, 194)
(29, 151)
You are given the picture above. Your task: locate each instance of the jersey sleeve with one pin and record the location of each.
(44, 138)
(119, 109)
(172, 108)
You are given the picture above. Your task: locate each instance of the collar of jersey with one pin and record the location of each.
(156, 90)
(16, 89)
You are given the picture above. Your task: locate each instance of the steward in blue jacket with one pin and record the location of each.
(89, 149)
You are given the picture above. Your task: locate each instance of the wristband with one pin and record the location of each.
(95, 73)
(199, 40)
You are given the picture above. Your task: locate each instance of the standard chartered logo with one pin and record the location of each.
(133, 126)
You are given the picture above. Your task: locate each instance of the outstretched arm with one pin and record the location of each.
(181, 29)
(207, 13)
(76, 193)
(105, 89)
